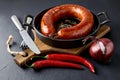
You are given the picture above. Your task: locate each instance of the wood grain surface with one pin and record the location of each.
(44, 48)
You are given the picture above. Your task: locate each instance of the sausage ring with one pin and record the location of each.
(81, 29)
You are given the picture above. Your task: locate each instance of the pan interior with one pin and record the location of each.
(66, 22)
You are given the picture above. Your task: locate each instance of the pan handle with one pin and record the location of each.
(84, 41)
(106, 17)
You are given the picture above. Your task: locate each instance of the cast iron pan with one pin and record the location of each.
(71, 43)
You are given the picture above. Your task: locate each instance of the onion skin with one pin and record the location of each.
(97, 54)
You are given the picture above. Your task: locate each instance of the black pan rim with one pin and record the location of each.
(76, 39)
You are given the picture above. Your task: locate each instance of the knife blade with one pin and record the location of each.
(26, 37)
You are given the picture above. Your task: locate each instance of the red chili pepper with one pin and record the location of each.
(71, 58)
(52, 63)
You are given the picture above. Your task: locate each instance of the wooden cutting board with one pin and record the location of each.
(44, 48)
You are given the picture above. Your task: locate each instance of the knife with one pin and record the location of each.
(26, 37)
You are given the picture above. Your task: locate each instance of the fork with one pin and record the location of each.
(27, 24)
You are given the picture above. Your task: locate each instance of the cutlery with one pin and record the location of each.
(27, 25)
(26, 37)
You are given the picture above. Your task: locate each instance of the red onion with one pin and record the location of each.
(102, 49)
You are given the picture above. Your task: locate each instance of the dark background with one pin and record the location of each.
(10, 71)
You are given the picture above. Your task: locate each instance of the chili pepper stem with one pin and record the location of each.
(44, 57)
(31, 66)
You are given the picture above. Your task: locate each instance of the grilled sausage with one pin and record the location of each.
(67, 10)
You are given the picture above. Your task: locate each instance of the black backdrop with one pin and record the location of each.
(10, 71)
